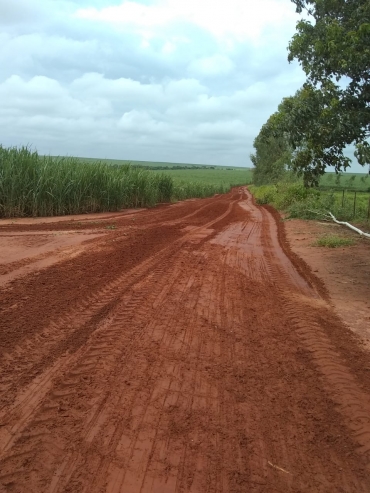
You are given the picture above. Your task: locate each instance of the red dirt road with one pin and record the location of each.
(183, 349)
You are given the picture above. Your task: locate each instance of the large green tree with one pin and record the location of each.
(317, 130)
(272, 157)
(335, 43)
(333, 108)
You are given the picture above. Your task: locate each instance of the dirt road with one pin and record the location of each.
(180, 349)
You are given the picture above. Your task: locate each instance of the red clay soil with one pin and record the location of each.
(345, 271)
(180, 349)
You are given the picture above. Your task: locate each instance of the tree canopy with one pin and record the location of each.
(273, 154)
(332, 109)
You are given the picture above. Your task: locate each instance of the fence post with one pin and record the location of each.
(343, 198)
(354, 206)
(368, 211)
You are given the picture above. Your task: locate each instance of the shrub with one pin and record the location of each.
(310, 203)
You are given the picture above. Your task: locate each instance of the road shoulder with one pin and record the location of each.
(344, 271)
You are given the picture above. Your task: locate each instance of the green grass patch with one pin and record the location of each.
(205, 182)
(310, 203)
(333, 241)
(347, 181)
(212, 176)
(284, 195)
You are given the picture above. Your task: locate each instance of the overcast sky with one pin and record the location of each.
(160, 80)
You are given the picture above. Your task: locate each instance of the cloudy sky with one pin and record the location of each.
(160, 80)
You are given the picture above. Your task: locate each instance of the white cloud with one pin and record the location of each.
(184, 89)
(178, 116)
(153, 80)
(140, 122)
(229, 130)
(42, 96)
(129, 13)
(238, 19)
(215, 65)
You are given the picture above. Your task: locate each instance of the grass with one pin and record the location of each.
(212, 176)
(309, 203)
(153, 165)
(343, 208)
(33, 185)
(200, 182)
(333, 241)
(347, 181)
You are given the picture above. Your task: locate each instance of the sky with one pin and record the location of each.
(155, 80)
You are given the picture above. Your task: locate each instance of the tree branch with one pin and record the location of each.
(329, 214)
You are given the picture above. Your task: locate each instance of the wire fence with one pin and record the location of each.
(357, 200)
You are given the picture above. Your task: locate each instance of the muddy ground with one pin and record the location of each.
(187, 348)
(345, 271)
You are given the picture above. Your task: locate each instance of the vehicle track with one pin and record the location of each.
(56, 334)
(206, 366)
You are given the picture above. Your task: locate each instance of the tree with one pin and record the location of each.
(314, 126)
(337, 44)
(362, 154)
(333, 108)
(273, 154)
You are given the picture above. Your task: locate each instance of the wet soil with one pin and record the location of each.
(345, 271)
(185, 348)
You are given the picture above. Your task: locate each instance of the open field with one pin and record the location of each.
(185, 173)
(148, 164)
(33, 185)
(348, 181)
(218, 176)
(180, 349)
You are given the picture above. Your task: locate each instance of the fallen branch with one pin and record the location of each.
(366, 235)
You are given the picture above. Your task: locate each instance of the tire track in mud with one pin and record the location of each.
(62, 334)
(347, 392)
(301, 304)
(129, 234)
(40, 388)
(146, 217)
(194, 377)
(306, 312)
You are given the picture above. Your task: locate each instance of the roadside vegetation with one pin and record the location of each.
(310, 131)
(333, 241)
(303, 202)
(33, 185)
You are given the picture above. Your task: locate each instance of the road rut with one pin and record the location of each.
(185, 350)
